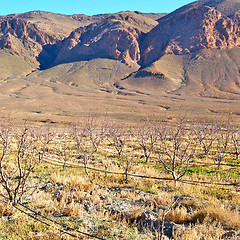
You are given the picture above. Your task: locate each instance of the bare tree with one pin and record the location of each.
(117, 136)
(44, 136)
(206, 134)
(95, 133)
(17, 165)
(162, 217)
(223, 137)
(176, 150)
(127, 163)
(235, 137)
(147, 137)
(79, 135)
(65, 150)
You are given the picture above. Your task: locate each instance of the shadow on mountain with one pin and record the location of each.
(48, 57)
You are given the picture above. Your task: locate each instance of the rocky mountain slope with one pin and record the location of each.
(57, 25)
(116, 37)
(23, 37)
(198, 35)
(199, 28)
(49, 39)
(193, 51)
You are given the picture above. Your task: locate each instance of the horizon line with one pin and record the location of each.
(135, 11)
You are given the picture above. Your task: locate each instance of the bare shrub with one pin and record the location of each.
(81, 145)
(206, 134)
(65, 147)
(223, 138)
(17, 165)
(127, 163)
(176, 150)
(148, 136)
(46, 136)
(117, 136)
(162, 218)
(95, 132)
(235, 140)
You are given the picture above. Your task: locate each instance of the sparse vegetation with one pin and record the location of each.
(120, 190)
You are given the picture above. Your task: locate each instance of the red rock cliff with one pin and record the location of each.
(199, 28)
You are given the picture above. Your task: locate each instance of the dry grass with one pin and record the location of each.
(28, 229)
(164, 198)
(70, 194)
(229, 219)
(132, 216)
(204, 231)
(178, 215)
(6, 210)
(73, 180)
(40, 199)
(191, 203)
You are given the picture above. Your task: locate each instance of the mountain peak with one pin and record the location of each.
(206, 28)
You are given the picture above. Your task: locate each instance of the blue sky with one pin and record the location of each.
(90, 7)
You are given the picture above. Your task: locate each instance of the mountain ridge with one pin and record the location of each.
(191, 53)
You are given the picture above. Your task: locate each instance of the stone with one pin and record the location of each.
(231, 235)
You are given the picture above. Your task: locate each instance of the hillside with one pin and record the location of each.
(207, 29)
(56, 66)
(117, 36)
(212, 38)
(190, 74)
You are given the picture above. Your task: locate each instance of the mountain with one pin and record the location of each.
(126, 61)
(22, 42)
(154, 16)
(23, 37)
(196, 36)
(117, 36)
(206, 28)
(57, 25)
(229, 8)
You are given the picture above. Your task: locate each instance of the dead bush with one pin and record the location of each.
(205, 231)
(229, 219)
(6, 210)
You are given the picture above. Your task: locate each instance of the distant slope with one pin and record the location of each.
(93, 73)
(229, 8)
(58, 67)
(57, 25)
(61, 25)
(117, 36)
(206, 29)
(12, 65)
(192, 51)
(154, 16)
(205, 73)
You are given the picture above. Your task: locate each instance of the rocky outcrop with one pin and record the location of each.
(57, 25)
(22, 37)
(112, 41)
(117, 37)
(199, 28)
